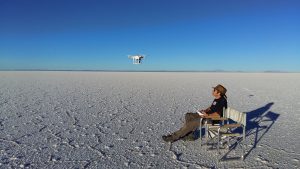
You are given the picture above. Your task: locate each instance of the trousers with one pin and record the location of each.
(192, 122)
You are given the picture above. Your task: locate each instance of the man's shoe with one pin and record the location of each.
(167, 138)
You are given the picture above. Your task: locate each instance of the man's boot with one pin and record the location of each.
(168, 138)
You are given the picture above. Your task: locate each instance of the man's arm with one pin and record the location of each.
(207, 113)
(204, 113)
(207, 110)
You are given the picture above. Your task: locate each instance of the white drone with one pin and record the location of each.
(137, 59)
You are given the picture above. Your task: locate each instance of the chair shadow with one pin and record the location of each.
(256, 123)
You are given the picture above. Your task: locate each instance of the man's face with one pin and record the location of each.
(215, 93)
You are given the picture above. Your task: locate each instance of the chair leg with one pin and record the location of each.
(200, 128)
(218, 144)
(206, 138)
(243, 150)
(218, 137)
(243, 142)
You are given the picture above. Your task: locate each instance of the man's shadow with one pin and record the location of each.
(256, 123)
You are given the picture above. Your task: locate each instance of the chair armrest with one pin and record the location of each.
(231, 125)
(214, 118)
(209, 117)
(218, 118)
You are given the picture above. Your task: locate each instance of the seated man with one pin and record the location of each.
(192, 120)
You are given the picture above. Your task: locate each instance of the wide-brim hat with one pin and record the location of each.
(221, 89)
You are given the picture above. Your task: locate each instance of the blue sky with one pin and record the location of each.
(204, 35)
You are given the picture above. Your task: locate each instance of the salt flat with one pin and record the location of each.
(116, 119)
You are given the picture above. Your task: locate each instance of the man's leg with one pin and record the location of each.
(191, 116)
(187, 128)
(192, 122)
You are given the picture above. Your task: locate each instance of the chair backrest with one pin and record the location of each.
(239, 117)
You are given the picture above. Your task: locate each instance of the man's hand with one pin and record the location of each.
(204, 114)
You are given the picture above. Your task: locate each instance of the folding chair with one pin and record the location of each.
(229, 130)
(211, 129)
(207, 123)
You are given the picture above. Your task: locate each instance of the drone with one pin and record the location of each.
(137, 59)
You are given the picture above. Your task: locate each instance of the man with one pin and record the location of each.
(192, 120)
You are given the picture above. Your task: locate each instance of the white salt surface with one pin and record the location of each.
(116, 119)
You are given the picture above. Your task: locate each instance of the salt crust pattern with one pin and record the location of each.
(116, 119)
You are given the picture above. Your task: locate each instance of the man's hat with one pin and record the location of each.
(221, 89)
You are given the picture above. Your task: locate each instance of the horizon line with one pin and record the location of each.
(129, 70)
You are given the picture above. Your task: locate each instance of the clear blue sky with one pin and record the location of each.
(254, 35)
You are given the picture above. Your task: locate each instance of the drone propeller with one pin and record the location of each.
(138, 55)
